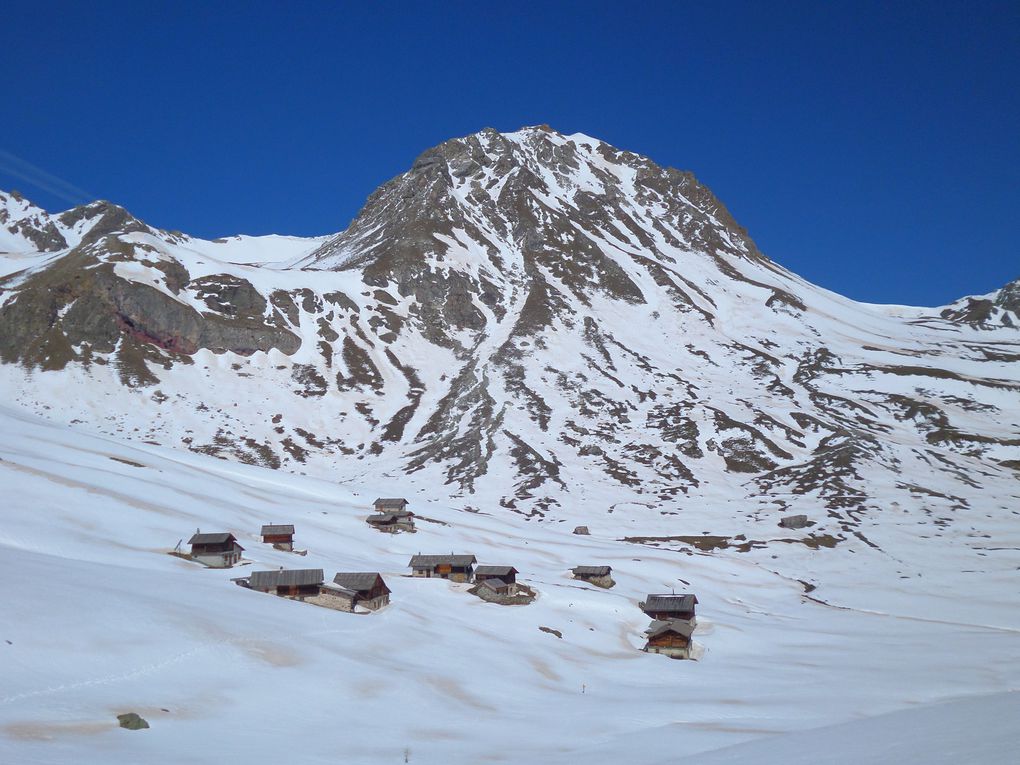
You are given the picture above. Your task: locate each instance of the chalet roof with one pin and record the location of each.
(493, 583)
(662, 627)
(383, 518)
(592, 570)
(336, 588)
(360, 581)
(431, 561)
(296, 577)
(670, 603)
(272, 529)
(494, 571)
(391, 503)
(216, 538)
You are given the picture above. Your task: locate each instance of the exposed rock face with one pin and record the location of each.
(132, 721)
(527, 319)
(88, 303)
(1009, 297)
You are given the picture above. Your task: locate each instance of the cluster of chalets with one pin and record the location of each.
(673, 616)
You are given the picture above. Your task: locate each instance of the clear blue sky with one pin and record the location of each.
(874, 148)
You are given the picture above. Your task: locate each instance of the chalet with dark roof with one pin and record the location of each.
(456, 568)
(290, 583)
(600, 576)
(507, 573)
(367, 589)
(497, 586)
(671, 638)
(280, 536)
(215, 550)
(670, 607)
(390, 505)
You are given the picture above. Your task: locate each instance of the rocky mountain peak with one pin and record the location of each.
(1008, 298)
(521, 316)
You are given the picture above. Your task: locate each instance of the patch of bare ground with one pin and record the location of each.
(709, 543)
(125, 461)
(50, 730)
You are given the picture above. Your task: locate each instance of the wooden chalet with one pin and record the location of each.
(368, 589)
(391, 522)
(601, 576)
(390, 505)
(670, 638)
(216, 550)
(292, 583)
(507, 573)
(279, 536)
(457, 568)
(670, 607)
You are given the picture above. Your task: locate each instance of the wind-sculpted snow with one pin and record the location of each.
(520, 318)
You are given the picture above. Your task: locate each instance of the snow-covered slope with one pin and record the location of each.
(99, 620)
(523, 333)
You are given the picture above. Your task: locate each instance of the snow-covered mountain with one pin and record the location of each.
(522, 318)
(523, 333)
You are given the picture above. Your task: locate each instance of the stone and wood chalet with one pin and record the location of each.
(671, 638)
(391, 505)
(497, 586)
(600, 576)
(366, 589)
(290, 583)
(279, 536)
(670, 607)
(507, 574)
(456, 568)
(216, 550)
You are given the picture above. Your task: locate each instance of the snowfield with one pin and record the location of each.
(99, 620)
(523, 333)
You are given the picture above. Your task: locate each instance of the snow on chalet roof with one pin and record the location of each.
(495, 571)
(592, 570)
(216, 538)
(391, 502)
(667, 603)
(272, 530)
(338, 590)
(356, 581)
(431, 561)
(290, 578)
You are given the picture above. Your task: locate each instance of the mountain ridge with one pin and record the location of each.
(524, 318)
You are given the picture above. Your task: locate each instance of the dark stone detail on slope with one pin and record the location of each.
(80, 301)
(673, 425)
(747, 452)
(362, 373)
(831, 471)
(310, 382)
(533, 469)
(394, 430)
(1009, 297)
(460, 431)
(43, 234)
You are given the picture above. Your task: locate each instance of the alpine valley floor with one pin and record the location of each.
(99, 620)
